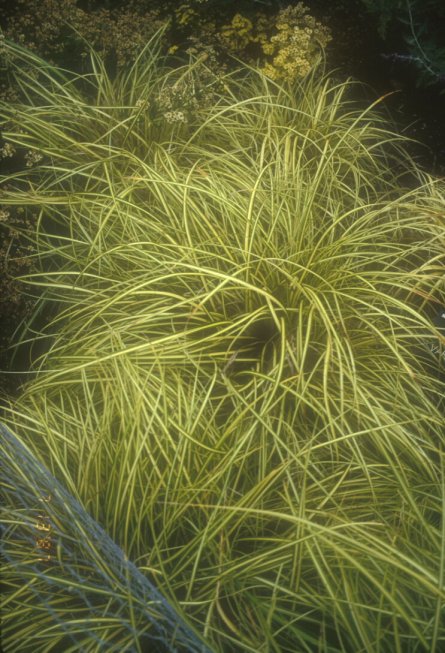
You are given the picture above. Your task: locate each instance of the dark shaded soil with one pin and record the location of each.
(358, 51)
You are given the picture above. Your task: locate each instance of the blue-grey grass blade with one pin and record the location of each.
(93, 596)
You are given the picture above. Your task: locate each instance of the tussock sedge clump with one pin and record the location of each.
(232, 381)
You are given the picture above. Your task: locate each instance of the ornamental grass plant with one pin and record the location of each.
(234, 382)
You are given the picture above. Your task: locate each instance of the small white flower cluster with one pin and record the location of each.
(32, 157)
(142, 105)
(4, 215)
(176, 101)
(7, 150)
(175, 116)
(180, 101)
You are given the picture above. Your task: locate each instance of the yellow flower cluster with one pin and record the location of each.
(294, 48)
(287, 44)
(238, 34)
(185, 14)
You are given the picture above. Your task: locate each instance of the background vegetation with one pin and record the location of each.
(421, 27)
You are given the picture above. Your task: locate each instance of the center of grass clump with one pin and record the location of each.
(254, 349)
